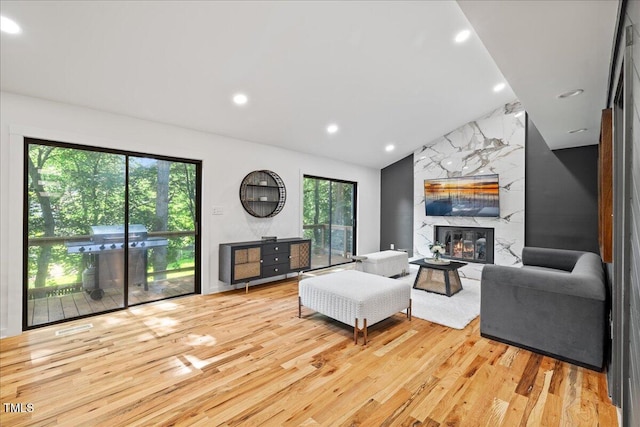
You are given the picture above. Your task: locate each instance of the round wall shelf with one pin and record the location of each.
(263, 194)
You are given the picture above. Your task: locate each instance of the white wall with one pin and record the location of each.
(225, 162)
(493, 144)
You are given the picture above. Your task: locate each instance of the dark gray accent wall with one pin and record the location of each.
(561, 195)
(396, 205)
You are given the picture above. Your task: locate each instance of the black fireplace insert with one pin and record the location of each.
(473, 244)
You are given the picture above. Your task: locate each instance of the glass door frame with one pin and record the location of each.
(127, 154)
(355, 215)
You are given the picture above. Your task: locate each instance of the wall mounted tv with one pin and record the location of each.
(463, 196)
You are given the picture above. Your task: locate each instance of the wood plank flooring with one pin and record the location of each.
(237, 359)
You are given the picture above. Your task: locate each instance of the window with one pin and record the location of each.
(106, 230)
(329, 212)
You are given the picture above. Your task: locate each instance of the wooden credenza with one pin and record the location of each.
(242, 262)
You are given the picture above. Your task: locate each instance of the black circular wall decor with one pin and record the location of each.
(263, 194)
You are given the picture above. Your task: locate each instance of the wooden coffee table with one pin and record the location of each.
(438, 278)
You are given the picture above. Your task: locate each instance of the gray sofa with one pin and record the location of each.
(556, 304)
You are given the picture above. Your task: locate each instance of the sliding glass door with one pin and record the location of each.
(329, 220)
(162, 200)
(68, 192)
(105, 230)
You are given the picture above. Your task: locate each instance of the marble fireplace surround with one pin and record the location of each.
(492, 144)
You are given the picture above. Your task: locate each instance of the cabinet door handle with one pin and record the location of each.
(276, 248)
(260, 261)
(275, 269)
(276, 258)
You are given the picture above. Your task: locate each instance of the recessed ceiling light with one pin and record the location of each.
(499, 87)
(571, 93)
(462, 36)
(578, 130)
(422, 157)
(240, 99)
(9, 25)
(519, 114)
(332, 128)
(390, 147)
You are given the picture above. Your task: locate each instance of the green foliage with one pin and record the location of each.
(328, 214)
(70, 190)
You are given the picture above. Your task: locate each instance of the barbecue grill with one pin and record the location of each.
(106, 249)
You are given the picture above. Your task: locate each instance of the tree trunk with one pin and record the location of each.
(189, 183)
(317, 235)
(161, 220)
(44, 257)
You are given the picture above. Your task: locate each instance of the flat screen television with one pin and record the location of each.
(463, 196)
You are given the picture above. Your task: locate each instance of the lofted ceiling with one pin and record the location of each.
(548, 48)
(384, 72)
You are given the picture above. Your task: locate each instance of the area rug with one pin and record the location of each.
(455, 311)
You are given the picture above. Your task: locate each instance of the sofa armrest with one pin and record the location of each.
(560, 282)
(560, 259)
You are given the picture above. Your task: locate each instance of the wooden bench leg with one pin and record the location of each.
(355, 332)
(365, 331)
(409, 309)
(356, 329)
(299, 307)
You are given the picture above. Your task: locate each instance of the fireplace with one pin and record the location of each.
(473, 244)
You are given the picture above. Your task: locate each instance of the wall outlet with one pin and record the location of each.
(217, 210)
(392, 246)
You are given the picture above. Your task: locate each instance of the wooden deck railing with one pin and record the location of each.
(326, 228)
(60, 240)
(69, 288)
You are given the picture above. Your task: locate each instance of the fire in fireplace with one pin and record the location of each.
(474, 244)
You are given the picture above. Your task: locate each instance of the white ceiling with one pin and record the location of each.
(546, 48)
(385, 72)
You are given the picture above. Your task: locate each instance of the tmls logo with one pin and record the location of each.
(18, 407)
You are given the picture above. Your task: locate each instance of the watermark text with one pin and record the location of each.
(18, 407)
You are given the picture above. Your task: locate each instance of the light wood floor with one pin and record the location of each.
(237, 359)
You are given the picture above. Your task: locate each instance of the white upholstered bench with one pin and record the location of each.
(386, 263)
(355, 298)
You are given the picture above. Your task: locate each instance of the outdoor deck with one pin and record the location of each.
(322, 260)
(41, 311)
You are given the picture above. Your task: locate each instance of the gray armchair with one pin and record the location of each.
(556, 304)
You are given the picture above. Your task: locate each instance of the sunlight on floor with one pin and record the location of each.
(41, 355)
(198, 340)
(113, 321)
(161, 325)
(178, 367)
(196, 362)
(154, 308)
(146, 337)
